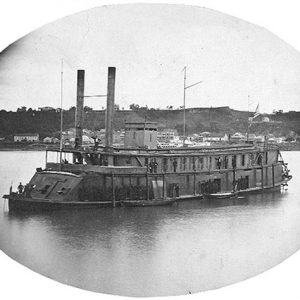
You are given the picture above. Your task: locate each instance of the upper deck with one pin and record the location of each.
(225, 157)
(182, 151)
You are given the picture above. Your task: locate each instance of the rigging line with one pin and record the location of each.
(94, 96)
(187, 87)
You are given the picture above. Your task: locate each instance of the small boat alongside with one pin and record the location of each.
(144, 203)
(221, 195)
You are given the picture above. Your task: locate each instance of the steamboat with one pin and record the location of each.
(141, 174)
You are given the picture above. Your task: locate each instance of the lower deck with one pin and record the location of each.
(107, 186)
(21, 203)
(143, 185)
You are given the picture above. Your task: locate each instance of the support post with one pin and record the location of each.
(262, 177)
(233, 180)
(130, 188)
(147, 185)
(113, 190)
(273, 175)
(194, 184)
(46, 158)
(163, 193)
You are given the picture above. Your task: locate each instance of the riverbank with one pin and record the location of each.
(11, 146)
(289, 146)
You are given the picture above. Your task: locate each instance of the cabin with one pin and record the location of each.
(141, 134)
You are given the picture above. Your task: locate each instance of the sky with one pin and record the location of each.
(239, 64)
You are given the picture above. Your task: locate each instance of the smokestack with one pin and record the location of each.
(110, 107)
(79, 107)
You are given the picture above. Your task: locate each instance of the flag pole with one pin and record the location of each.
(184, 88)
(61, 113)
(248, 122)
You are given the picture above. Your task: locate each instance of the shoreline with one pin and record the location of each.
(17, 147)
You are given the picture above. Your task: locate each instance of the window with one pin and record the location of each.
(190, 163)
(194, 163)
(225, 162)
(243, 159)
(200, 163)
(234, 161)
(259, 159)
(165, 164)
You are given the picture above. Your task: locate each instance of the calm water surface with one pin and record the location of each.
(187, 247)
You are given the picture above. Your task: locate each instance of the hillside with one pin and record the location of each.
(217, 120)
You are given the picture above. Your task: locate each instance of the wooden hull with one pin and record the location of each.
(20, 203)
(144, 203)
(38, 205)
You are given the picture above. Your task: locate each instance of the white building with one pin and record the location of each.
(166, 135)
(215, 138)
(47, 139)
(46, 108)
(26, 137)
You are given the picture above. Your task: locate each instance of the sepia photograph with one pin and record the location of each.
(149, 149)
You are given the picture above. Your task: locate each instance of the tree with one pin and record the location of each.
(87, 109)
(134, 106)
(22, 109)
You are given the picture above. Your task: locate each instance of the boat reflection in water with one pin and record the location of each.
(168, 250)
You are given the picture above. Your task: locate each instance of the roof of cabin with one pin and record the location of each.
(171, 152)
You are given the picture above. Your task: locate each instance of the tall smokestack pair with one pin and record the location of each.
(110, 105)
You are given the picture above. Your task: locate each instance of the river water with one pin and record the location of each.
(154, 251)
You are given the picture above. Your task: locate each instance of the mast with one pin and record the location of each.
(248, 121)
(184, 88)
(61, 112)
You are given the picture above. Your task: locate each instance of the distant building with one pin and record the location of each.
(47, 139)
(46, 108)
(216, 137)
(166, 135)
(237, 137)
(251, 137)
(26, 137)
(259, 138)
(51, 140)
(205, 133)
(266, 119)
